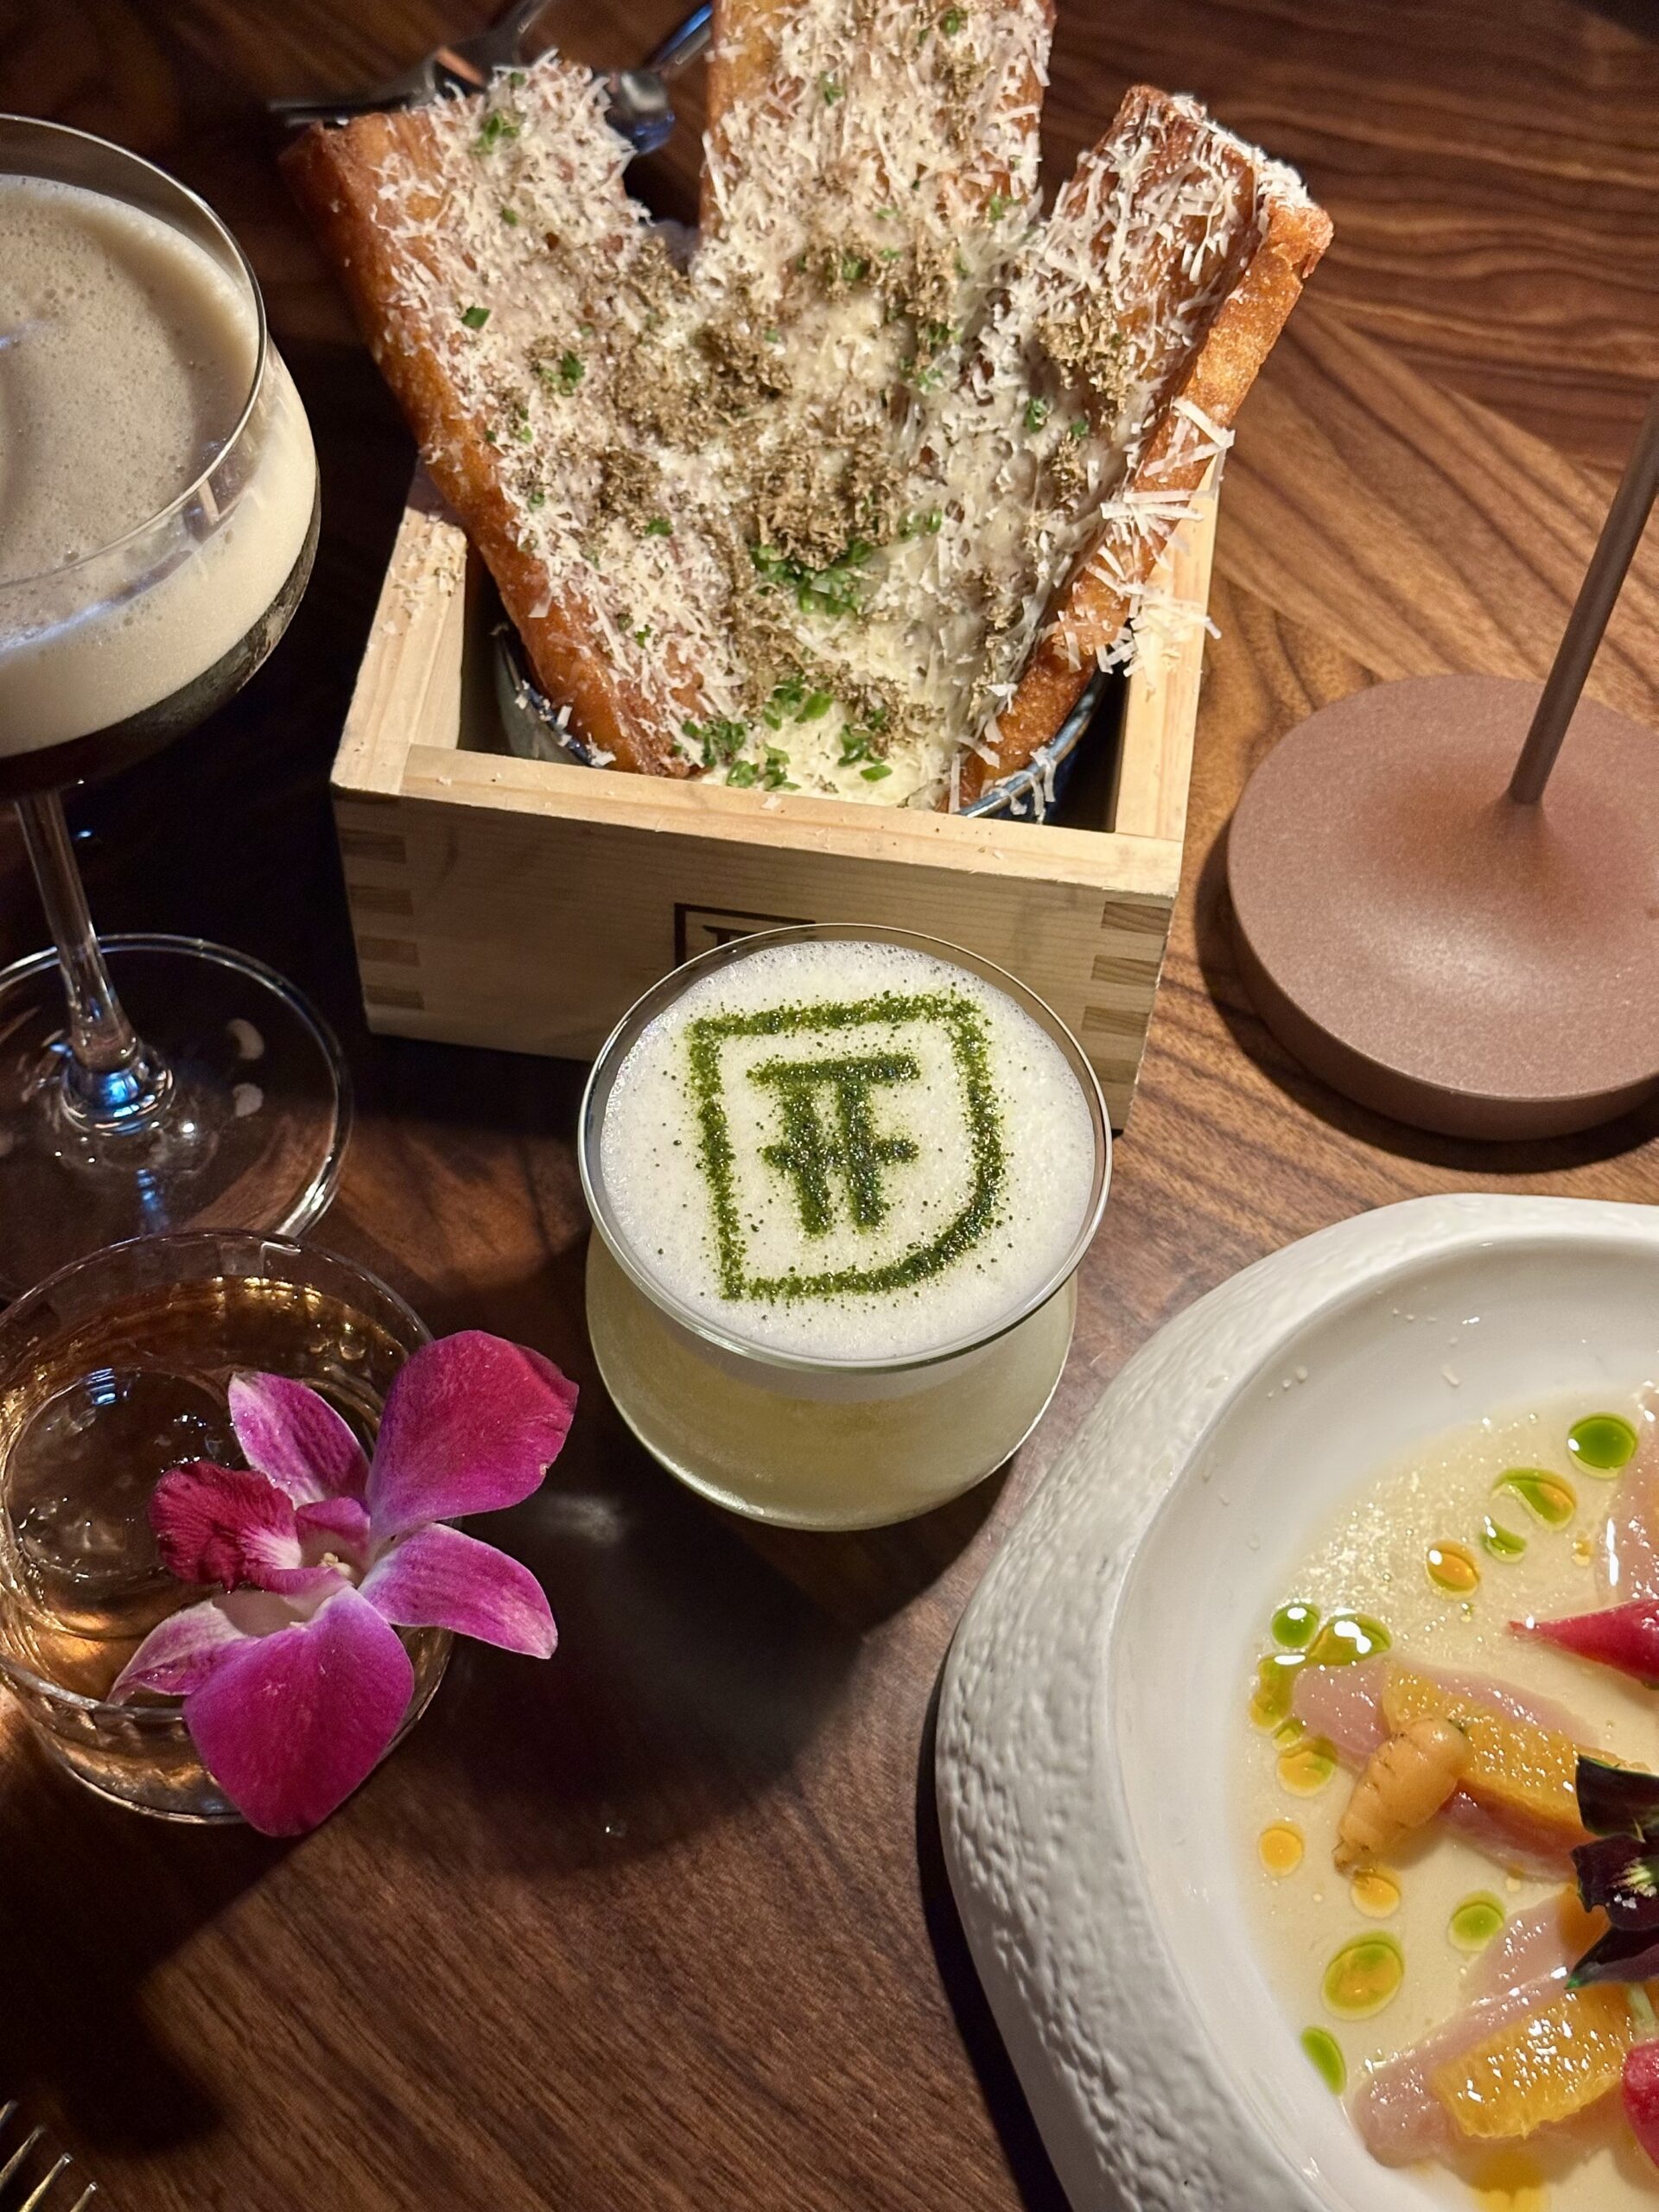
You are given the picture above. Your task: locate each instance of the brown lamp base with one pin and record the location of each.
(1435, 950)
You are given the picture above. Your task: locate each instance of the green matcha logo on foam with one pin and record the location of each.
(841, 1179)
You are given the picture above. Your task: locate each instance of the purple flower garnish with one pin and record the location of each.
(295, 1680)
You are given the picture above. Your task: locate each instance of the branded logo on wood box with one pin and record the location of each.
(700, 929)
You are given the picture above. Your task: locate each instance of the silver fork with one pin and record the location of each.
(640, 108)
(35, 2174)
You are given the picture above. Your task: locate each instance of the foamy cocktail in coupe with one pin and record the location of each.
(842, 1179)
(158, 515)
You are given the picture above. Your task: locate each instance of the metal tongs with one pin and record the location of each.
(640, 110)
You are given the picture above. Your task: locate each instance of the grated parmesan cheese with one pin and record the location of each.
(817, 482)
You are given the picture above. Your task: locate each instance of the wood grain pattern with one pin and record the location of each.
(660, 1925)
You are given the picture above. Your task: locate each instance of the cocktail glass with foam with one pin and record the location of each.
(841, 1179)
(158, 518)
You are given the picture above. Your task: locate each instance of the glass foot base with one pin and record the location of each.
(251, 1135)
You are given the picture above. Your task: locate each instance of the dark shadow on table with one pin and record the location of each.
(700, 1653)
(92, 1899)
(1005, 2101)
(1212, 921)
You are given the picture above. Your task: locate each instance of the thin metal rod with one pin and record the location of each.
(1615, 550)
(111, 1081)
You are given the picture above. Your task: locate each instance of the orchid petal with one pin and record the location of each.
(439, 1578)
(288, 1725)
(335, 1524)
(290, 1432)
(179, 1653)
(223, 1524)
(471, 1424)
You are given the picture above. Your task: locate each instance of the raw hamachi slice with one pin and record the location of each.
(1345, 1705)
(1396, 2109)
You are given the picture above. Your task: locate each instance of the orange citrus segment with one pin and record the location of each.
(1511, 1763)
(1545, 2068)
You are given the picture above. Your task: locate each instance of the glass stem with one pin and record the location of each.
(111, 1081)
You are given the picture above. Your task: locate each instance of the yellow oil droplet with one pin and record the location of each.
(1583, 1550)
(1450, 1567)
(1510, 2183)
(1375, 1892)
(1306, 1768)
(1365, 1976)
(1290, 1733)
(1281, 1848)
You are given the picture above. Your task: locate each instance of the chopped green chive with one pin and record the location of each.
(997, 207)
(510, 216)
(534, 499)
(475, 318)
(1079, 430)
(817, 706)
(831, 90)
(951, 21)
(642, 633)
(660, 526)
(1036, 413)
(874, 773)
(571, 370)
(492, 130)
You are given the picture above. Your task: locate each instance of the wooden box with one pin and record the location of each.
(525, 905)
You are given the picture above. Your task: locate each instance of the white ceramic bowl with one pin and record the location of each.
(1093, 1689)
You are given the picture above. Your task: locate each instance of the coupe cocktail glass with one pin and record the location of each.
(149, 1084)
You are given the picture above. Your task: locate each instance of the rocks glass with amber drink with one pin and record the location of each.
(841, 1179)
(110, 1373)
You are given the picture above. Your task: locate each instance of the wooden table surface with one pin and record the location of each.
(661, 1924)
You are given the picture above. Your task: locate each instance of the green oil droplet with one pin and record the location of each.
(1475, 1922)
(1601, 1442)
(1364, 1975)
(1275, 1681)
(1501, 1542)
(1346, 1637)
(1329, 2064)
(1290, 1733)
(1295, 1625)
(1551, 1499)
(1450, 1567)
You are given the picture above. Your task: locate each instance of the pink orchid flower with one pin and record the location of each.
(295, 1680)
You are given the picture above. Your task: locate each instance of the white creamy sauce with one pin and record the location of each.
(127, 354)
(903, 1120)
(1371, 1559)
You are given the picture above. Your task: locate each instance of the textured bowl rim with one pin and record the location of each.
(1135, 2097)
